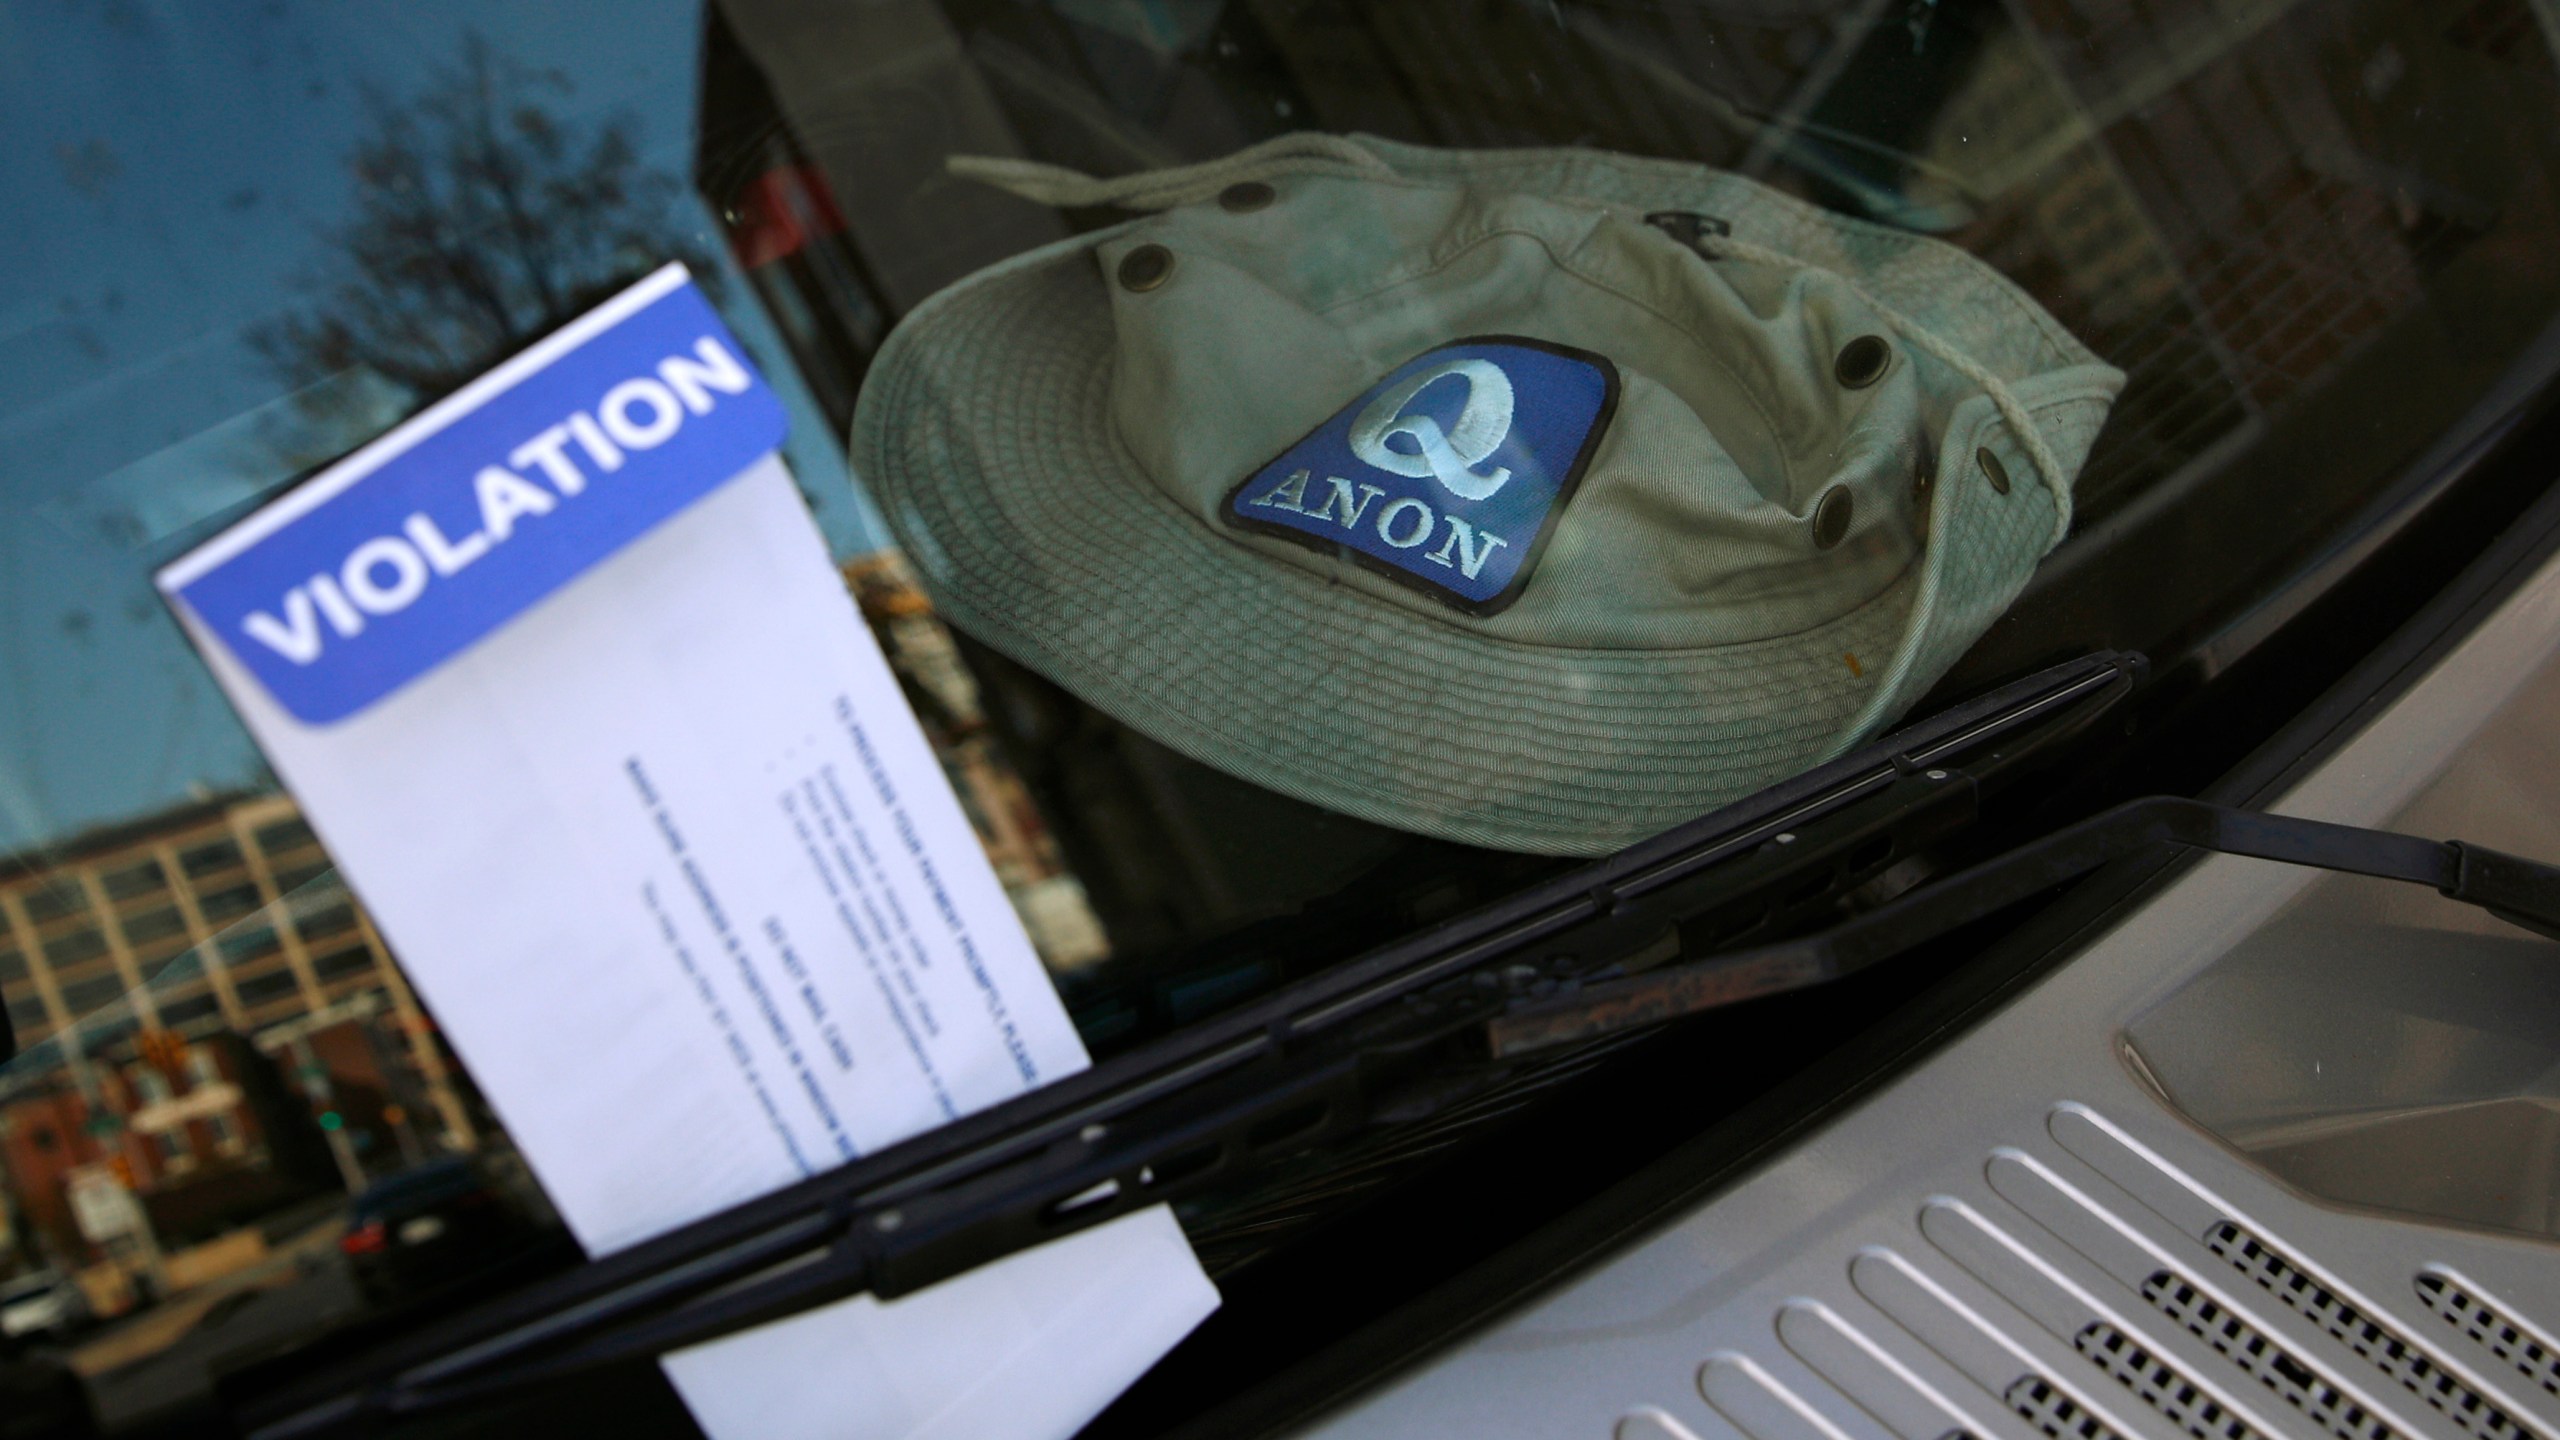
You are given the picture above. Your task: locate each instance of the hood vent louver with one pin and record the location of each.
(2057, 1416)
(2490, 1330)
(2159, 1385)
(2391, 1353)
(2273, 1366)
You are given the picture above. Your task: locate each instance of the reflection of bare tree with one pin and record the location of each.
(482, 221)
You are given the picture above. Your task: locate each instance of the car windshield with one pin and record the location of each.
(1337, 463)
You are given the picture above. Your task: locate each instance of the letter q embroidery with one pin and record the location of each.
(1483, 423)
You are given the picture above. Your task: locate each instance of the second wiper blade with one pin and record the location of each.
(2523, 892)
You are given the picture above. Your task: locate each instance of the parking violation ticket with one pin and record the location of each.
(562, 674)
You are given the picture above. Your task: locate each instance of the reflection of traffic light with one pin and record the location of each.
(331, 1120)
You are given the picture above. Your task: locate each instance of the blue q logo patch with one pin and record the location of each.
(1449, 473)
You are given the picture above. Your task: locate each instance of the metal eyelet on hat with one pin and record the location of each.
(1992, 469)
(1831, 517)
(1246, 196)
(1861, 362)
(1145, 267)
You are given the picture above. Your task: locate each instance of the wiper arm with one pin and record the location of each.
(2521, 892)
(1315, 1062)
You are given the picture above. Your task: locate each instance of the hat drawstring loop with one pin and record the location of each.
(1304, 152)
(2021, 424)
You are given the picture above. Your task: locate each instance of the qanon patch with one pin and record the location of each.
(1449, 473)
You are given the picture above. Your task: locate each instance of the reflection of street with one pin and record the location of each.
(162, 1360)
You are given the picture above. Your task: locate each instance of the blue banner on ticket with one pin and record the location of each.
(412, 549)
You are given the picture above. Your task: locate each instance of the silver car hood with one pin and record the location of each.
(2277, 1156)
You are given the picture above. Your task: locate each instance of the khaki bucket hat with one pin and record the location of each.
(1534, 499)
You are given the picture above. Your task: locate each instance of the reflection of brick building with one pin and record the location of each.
(43, 1139)
(224, 911)
(206, 1133)
(211, 936)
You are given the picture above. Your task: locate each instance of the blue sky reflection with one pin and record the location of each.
(175, 171)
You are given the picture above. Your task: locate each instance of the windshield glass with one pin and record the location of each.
(1596, 411)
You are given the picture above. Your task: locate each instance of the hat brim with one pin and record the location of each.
(985, 432)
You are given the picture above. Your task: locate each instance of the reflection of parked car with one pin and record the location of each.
(425, 1226)
(42, 1302)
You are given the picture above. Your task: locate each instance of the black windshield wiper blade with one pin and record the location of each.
(2523, 892)
(1200, 1108)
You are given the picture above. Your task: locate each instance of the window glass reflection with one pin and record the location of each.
(2313, 233)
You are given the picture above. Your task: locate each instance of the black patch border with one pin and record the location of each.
(1503, 599)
